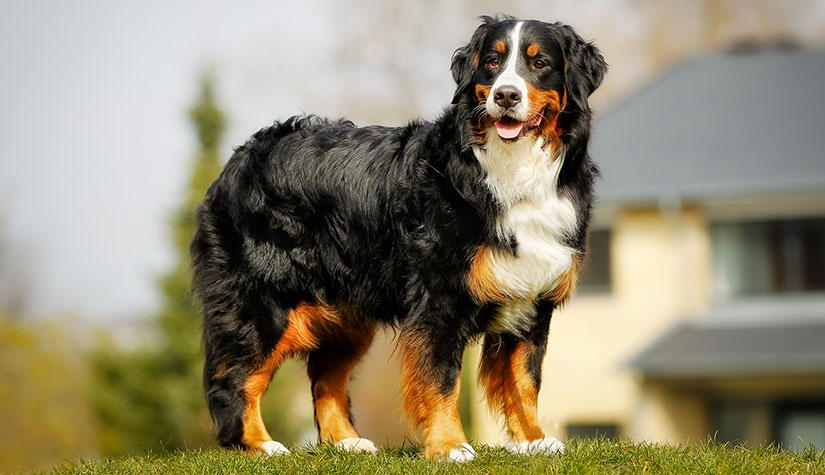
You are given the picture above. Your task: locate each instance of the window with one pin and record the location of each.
(768, 257)
(794, 425)
(595, 277)
(799, 425)
(742, 422)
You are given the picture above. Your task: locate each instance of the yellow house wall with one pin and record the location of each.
(660, 261)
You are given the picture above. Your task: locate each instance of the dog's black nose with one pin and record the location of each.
(507, 96)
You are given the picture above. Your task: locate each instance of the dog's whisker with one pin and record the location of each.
(480, 112)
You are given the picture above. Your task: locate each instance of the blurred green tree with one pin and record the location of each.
(44, 414)
(149, 396)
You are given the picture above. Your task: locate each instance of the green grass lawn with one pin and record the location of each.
(582, 456)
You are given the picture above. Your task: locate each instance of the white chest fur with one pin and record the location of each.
(524, 178)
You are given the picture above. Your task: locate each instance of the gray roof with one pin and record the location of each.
(702, 351)
(722, 126)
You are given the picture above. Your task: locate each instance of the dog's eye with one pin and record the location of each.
(492, 63)
(539, 64)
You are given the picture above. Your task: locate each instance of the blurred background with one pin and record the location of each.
(702, 310)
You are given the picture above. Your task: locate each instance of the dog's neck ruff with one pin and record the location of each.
(521, 170)
(523, 176)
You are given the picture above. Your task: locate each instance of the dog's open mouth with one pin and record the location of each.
(511, 129)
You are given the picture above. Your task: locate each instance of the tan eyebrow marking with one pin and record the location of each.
(533, 50)
(500, 46)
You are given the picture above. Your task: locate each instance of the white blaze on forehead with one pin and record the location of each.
(509, 73)
(509, 77)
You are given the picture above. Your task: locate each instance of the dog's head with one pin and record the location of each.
(518, 76)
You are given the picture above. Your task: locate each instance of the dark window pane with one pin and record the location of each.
(800, 424)
(741, 422)
(765, 257)
(595, 276)
(606, 430)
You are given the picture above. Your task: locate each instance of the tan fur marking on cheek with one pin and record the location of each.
(541, 99)
(500, 46)
(475, 60)
(549, 104)
(484, 121)
(533, 50)
(482, 91)
(424, 404)
(566, 284)
(480, 131)
(482, 279)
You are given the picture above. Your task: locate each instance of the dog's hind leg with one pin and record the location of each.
(238, 371)
(255, 435)
(329, 368)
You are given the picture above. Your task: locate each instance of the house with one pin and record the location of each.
(702, 310)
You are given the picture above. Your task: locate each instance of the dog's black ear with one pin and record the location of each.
(465, 59)
(584, 70)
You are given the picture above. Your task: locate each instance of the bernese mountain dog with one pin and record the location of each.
(472, 226)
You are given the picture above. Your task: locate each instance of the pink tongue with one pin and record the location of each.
(509, 129)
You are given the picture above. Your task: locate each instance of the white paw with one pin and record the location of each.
(357, 444)
(546, 446)
(272, 447)
(463, 453)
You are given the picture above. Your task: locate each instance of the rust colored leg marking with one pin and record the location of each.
(254, 430)
(332, 368)
(424, 402)
(302, 333)
(510, 389)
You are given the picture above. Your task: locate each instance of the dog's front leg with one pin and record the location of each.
(511, 374)
(430, 370)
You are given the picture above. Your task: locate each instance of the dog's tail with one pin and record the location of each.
(218, 298)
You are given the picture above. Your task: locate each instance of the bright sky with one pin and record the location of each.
(94, 137)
